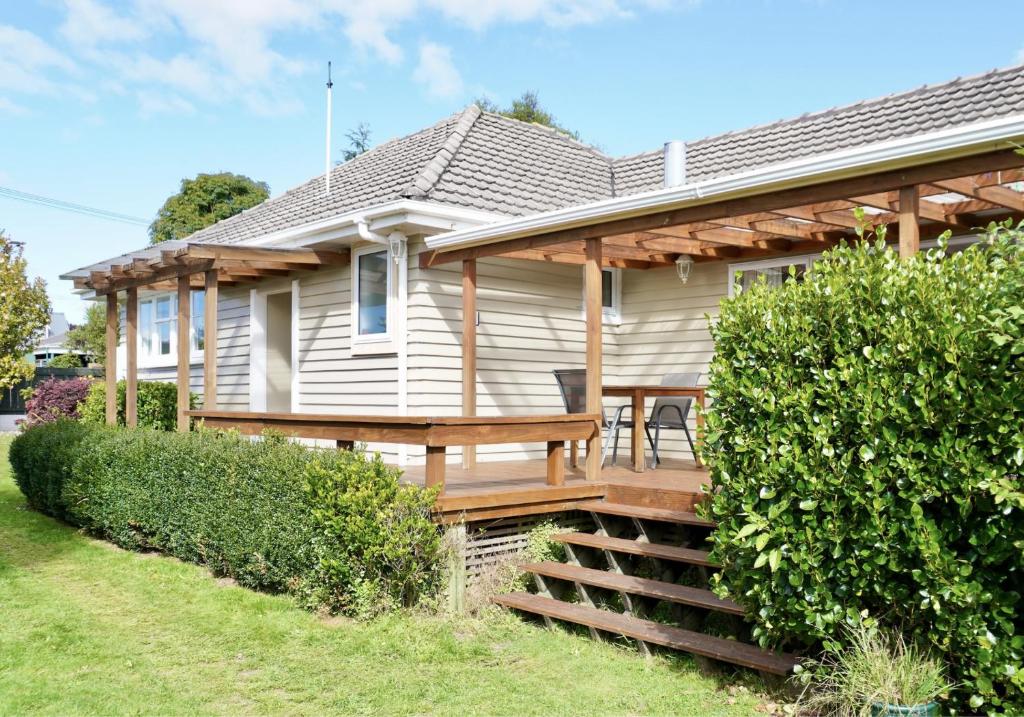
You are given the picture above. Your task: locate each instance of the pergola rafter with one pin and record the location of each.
(184, 268)
(956, 194)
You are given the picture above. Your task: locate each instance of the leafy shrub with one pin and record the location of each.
(41, 460)
(865, 446)
(65, 361)
(55, 398)
(158, 404)
(238, 506)
(374, 535)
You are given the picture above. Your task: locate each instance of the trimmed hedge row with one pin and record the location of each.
(157, 404)
(866, 442)
(334, 528)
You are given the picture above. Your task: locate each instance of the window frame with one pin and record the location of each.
(148, 357)
(609, 314)
(806, 259)
(382, 343)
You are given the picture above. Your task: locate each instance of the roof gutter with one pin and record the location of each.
(948, 143)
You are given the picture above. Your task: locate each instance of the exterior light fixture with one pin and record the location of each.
(398, 246)
(683, 265)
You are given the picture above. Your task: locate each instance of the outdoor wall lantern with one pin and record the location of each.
(398, 246)
(683, 265)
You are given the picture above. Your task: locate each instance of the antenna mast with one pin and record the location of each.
(327, 148)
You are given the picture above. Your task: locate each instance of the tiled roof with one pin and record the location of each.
(485, 161)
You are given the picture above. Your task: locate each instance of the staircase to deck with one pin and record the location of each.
(643, 574)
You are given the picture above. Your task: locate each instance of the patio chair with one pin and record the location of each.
(671, 412)
(572, 382)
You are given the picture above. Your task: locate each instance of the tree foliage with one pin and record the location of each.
(91, 337)
(526, 108)
(24, 313)
(68, 360)
(866, 449)
(358, 141)
(203, 201)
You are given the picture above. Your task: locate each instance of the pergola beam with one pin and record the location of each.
(776, 201)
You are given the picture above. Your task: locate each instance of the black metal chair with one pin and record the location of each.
(671, 412)
(572, 382)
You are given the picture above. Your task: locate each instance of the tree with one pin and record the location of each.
(24, 312)
(65, 361)
(91, 337)
(203, 201)
(526, 108)
(358, 141)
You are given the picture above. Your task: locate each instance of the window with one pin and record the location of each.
(164, 321)
(198, 324)
(158, 325)
(375, 310)
(611, 295)
(775, 271)
(372, 293)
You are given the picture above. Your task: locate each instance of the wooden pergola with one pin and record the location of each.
(919, 202)
(184, 268)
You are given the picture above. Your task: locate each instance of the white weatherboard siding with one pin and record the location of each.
(330, 379)
(531, 322)
(665, 330)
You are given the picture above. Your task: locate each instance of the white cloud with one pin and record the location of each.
(7, 107)
(26, 61)
(89, 23)
(153, 103)
(226, 51)
(437, 72)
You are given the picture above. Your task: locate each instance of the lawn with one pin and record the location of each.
(87, 628)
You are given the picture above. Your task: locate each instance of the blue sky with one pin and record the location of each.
(110, 104)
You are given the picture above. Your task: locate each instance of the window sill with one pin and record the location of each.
(373, 347)
(170, 361)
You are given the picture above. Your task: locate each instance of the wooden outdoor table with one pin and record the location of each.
(638, 395)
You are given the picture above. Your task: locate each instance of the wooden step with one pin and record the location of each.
(633, 547)
(737, 653)
(657, 589)
(680, 517)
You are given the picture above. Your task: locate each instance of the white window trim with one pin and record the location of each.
(806, 259)
(611, 315)
(371, 344)
(155, 360)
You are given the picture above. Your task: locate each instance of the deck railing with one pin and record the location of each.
(434, 433)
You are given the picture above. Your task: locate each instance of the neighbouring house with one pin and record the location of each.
(52, 341)
(420, 299)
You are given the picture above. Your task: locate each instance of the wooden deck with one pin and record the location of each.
(508, 489)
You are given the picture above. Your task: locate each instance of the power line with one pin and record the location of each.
(9, 193)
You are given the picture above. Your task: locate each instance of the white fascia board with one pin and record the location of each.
(426, 216)
(944, 144)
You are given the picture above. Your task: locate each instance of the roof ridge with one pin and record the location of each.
(431, 172)
(859, 103)
(560, 134)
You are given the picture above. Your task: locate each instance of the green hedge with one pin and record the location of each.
(866, 439)
(157, 408)
(332, 527)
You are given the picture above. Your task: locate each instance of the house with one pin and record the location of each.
(421, 298)
(52, 341)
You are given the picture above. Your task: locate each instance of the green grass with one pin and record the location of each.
(86, 628)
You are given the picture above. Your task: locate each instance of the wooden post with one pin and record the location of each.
(556, 462)
(210, 343)
(469, 352)
(910, 229)
(184, 349)
(110, 365)
(592, 302)
(131, 342)
(435, 467)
